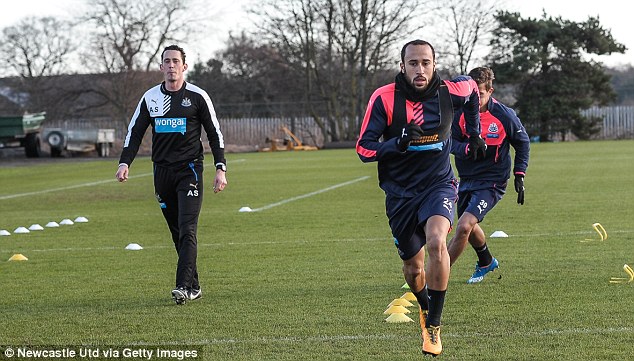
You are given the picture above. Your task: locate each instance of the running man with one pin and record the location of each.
(483, 181)
(406, 129)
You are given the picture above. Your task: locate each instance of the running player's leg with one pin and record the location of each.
(435, 214)
(466, 224)
(414, 272)
(409, 237)
(437, 276)
(486, 262)
(473, 206)
(481, 203)
(437, 267)
(409, 240)
(477, 240)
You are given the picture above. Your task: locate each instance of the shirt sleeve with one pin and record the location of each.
(136, 130)
(212, 128)
(467, 97)
(458, 140)
(520, 142)
(369, 146)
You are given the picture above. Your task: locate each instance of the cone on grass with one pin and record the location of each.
(396, 309)
(498, 234)
(401, 302)
(398, 318)
(36, 227)
(18, 257)
(409, 296)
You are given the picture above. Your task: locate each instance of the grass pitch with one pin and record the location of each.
(309, 275)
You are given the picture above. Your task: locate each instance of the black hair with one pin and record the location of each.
(417, 42)
(174, 47)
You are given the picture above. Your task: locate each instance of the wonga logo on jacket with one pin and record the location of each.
(170, 125)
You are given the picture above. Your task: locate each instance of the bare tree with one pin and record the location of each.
(126, 38)
(467, 26)
(129, 35)
(369, 36)
(336, 47)
(38, 46)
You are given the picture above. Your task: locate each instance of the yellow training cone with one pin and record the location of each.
(396, 309)
(401, 302)
(18, 257)
(398, 318)
(409, 296)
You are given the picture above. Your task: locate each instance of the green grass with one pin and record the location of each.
(311, 277)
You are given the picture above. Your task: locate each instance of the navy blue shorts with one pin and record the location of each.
(407, 216)
(479, 197)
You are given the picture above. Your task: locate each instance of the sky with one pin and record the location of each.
(611, 13)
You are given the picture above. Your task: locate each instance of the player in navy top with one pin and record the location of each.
(406, 129)
(483, 181)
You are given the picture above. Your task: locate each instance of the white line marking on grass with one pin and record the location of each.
(287, 339)
(288, 200)
(68, 187)
(17, 195)
(551, 234)
(219, 244)
(242, 244)
(474, 335)
(547, 332)
(252, 243)
(76, 249)
(298, 241)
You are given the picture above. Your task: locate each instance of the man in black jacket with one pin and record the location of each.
(177, 112)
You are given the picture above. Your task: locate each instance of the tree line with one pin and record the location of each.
(318, 58)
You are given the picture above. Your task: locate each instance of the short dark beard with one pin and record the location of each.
(413, 94)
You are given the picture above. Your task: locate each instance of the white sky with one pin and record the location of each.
(611, 13)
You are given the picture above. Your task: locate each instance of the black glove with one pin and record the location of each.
(519, 187)
(477, 148)
(411, 132)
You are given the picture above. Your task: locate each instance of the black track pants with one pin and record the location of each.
(179, 191)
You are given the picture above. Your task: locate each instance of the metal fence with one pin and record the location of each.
(256, 131)
(241, 134)
(618, 123)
